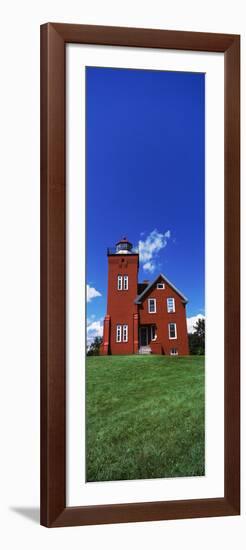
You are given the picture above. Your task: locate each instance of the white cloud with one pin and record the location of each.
(94, 328)
(149, 266)
(90, 319)
(91, 293)
(149, 249)
(191, 321)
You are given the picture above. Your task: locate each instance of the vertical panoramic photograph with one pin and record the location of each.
(145, 274)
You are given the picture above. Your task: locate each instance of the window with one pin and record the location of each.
(118, 333)
(160, 286)
(153, 332)
(152, 305)
(170, 305)
(125, 282)
(172, 331)
(125, 333)
(174, 351)
(122, 333)
(119, 282)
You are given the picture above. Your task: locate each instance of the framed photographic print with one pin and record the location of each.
(140, 290)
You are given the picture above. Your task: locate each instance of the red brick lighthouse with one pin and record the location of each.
(146, 317)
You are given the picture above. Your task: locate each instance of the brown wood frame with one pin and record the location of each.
(54, 38)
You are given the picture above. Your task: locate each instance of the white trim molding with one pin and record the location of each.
(118, 333)
(125, 282)
(119, 283)
(170, 305)
(149, 306)
(125, 333)
(175, 331)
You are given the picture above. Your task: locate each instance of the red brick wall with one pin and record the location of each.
(161, 318)
(120, 306)
(121, 310)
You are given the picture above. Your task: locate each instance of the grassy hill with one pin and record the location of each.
(145, 417)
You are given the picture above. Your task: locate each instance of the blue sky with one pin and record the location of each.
(145, 178)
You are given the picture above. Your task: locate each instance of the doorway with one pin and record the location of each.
(143, 336)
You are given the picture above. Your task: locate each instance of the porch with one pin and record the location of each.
(148, 340)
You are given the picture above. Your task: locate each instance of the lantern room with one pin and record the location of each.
(123, 246)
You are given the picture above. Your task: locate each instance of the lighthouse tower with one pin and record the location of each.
(120, 334)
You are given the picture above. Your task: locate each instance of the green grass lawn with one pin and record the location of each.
(145, 417)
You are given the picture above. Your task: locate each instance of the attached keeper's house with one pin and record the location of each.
(147, 317)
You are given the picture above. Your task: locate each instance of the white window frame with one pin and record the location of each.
(125, 282)
(175, 352)
(160, 286)
(171, 309)
(118, 333)
(125, 333)
(172, 337)
(151, 300)
(120, 284)
(153, 334)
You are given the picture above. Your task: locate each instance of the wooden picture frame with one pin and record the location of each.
(54, 512)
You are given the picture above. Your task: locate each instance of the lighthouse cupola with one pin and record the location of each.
(123, 246)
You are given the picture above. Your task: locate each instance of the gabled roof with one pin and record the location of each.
(142, 287)
(140, 297)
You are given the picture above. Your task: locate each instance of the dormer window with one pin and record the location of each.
(119, 282)
(160, 286)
